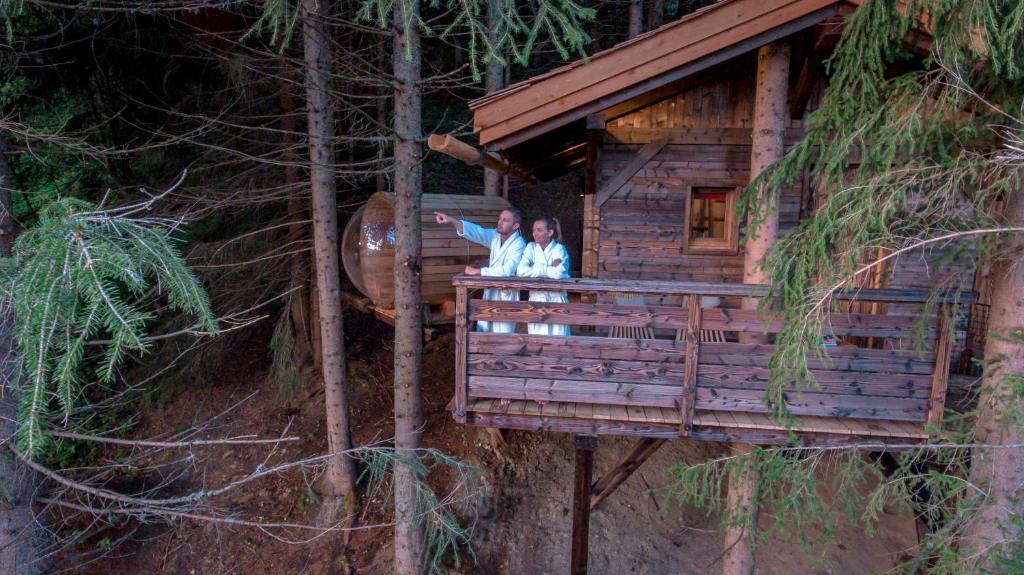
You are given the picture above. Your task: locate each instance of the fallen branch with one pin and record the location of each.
(169, 444)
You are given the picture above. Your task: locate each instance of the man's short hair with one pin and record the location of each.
(517, 214)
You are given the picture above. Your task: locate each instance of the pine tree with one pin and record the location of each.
(940, 160)
(940, 166)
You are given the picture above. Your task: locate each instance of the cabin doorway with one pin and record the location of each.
(561, 198)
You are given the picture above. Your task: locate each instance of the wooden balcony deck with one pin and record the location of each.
(663, 381)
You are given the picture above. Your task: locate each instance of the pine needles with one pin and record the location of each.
(88, 278)
(908, 152)
(519, 25)
(901, 161)
(444, 536)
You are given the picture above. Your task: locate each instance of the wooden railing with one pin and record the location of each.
(675, 373)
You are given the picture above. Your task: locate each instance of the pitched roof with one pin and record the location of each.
(696, 42)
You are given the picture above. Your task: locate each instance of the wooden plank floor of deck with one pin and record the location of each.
(707, 419)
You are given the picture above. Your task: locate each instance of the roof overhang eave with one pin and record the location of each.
(599, 105)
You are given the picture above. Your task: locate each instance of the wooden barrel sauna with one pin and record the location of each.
(368, 245)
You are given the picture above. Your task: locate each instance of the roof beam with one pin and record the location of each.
(646, 154)
(511, 127)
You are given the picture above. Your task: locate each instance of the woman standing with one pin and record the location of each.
(544, 257)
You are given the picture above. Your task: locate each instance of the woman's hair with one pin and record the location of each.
(552, 223)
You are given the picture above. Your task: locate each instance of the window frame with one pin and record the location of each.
(732, 229)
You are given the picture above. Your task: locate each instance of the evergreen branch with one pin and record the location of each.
(81, 270)
(820, 304)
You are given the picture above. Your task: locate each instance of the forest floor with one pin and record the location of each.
(523, 526)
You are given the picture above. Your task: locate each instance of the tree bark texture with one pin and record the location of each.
(408, 302)
(384, 97)
(636, 18)
(20, 534)
(1000, 471)
(741, 501)
(771, 117)
(494, 79)
(8, 228)
(655, 14)
(341, 469)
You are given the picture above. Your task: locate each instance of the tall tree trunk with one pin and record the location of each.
(636, 17)
(494, 79)
(494, 183)
(1000, 471)
(298, 301)
(769, 126)
(655, 14)
(20, 534)
(341, 478)
(382, 118)
(408, 301)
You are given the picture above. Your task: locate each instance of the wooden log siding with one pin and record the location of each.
(640, 386)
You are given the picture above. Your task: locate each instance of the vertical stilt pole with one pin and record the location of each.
(585, 446)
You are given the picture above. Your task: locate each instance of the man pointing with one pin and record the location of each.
(506, 247)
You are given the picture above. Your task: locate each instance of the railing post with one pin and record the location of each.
(461, 341)
(940, 376)
(692, 340)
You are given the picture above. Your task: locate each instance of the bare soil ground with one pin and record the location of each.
(523, 526)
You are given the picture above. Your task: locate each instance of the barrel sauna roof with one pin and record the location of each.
(635, 74)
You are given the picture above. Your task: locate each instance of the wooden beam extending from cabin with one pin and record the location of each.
(452, 146)
(641, 158)
(632, 461)
(585, 446)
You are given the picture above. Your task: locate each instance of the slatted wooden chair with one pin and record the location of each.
(706, 335)
(632, 332)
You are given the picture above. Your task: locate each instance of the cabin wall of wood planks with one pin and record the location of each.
(637, 233)
(641, 227)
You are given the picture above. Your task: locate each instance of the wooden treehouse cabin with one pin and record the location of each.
(663, 127)
(666, 127)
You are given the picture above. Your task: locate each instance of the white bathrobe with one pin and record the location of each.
(503, 261)
(536, 263)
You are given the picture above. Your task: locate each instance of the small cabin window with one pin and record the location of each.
(711, 220)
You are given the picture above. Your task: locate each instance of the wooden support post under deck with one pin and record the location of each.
(632, 461)
(585, 446)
